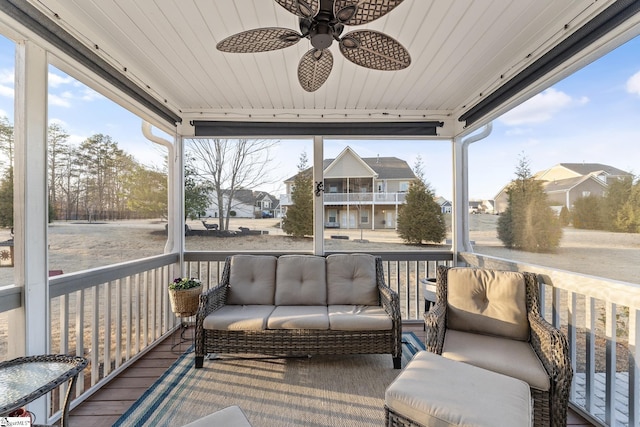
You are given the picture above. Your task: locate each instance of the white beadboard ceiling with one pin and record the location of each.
(461, 50)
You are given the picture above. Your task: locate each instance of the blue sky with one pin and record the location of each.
(591, 116)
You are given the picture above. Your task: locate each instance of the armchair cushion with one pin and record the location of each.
(487, 302)
(506, 356)
(351, 280)
(301, 280)
(252, 279)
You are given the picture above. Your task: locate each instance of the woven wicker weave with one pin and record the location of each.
(550, 345)
(72, 365)
(184, 302)
(298, 342)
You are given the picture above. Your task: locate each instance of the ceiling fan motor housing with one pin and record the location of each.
(321, 35)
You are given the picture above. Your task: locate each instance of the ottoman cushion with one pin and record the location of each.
(435, 391)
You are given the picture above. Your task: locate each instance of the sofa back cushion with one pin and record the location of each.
(351, 279)
(252, 280)
(488, 302)
(301, 280)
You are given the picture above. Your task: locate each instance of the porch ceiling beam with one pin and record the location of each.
(44, 27)
(585, 37)
(211, 128)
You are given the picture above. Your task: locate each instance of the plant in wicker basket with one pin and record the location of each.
(183, 295)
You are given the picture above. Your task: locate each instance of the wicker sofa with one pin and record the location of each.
(491, 319)
(297, 305)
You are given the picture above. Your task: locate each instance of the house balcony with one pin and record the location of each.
(115, 315)
(354, 199)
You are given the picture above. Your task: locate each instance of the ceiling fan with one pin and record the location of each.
(322, 22)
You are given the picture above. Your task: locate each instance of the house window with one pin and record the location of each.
(586, 193)
(333, 189)
(403, 186)
(332, 215)
(364, 217)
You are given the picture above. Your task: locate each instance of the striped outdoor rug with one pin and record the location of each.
(318, 391)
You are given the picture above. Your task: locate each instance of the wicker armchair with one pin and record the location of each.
(548, 343)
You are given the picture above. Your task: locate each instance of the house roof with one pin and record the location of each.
(562, 185)
(384, 167)
(470, 61)
(591, 168)
(390, 167)
(248, 197)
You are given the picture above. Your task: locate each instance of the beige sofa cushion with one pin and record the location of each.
(436, 392)
(506, 356)
(239, 318)
(358, 318)
(487, 302)
(299, 317)
(301, 280)
(252, 280)
(351, 280)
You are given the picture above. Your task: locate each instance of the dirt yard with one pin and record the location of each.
(80, 246)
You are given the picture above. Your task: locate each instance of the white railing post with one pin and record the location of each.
(572, 336)
(634, 365)
(610, 386)
(590, 353)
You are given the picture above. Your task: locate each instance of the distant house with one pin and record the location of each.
(445, 205)
(564, 183)
(361, 192)
(246, 204)
(481, 206)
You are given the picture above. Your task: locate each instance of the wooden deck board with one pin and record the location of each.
(111, 401)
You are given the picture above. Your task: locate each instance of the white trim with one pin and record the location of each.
(30, 204)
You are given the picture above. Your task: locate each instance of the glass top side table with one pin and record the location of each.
(25, 379)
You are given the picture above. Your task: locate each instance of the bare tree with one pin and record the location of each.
(230, 165)
(57, 143)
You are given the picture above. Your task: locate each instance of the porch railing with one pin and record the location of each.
(354, 198)
(113, 315)
(601, 319)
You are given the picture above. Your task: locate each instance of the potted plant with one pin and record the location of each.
(183, 295)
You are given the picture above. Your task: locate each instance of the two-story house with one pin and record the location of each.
(361, 192)
(564, 183)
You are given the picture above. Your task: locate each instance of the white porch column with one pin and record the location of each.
(460, 214)
(318, 196)
(460, 198)
(175, 189)
(30, 207)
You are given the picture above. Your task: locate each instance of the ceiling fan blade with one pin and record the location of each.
(358, 12)
(259, 40)
(314, 69)
(302, 8)
(375, 50)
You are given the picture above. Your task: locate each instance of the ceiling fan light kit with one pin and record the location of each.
(322, 22)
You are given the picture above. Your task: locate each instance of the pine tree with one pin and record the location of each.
(299, 217)
(420, 219)
(528, 223)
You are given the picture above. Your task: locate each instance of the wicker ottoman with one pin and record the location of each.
(227, 417)
(433, 391)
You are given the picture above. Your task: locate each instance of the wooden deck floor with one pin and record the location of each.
(107, 405)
